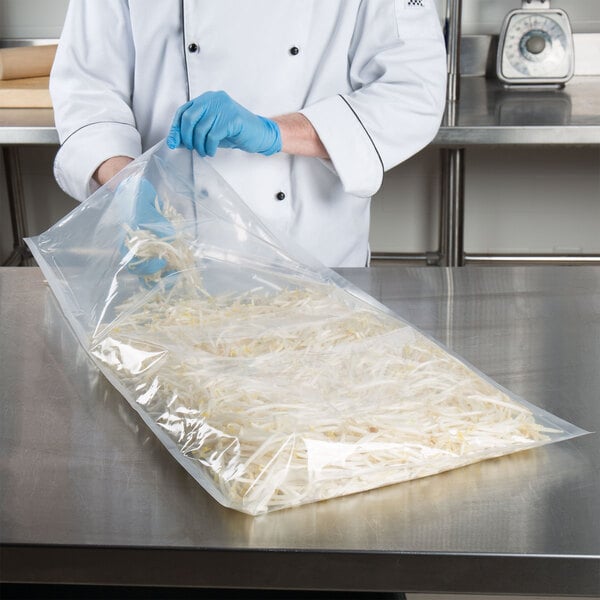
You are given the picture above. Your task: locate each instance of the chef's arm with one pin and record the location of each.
(91, 86)
(397, 74)
(215, 120)
(109, 168)
(298, 136)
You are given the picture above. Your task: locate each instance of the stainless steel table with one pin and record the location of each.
(89, 496)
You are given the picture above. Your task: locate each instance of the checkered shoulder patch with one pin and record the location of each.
(411, 3)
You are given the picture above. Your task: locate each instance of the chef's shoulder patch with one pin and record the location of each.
(414, 3)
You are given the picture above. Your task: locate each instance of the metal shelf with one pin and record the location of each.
(27, 126)
(482, 111)
(488, 113)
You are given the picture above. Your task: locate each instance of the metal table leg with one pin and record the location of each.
(452, 159)
(452, 208)
(20, 255)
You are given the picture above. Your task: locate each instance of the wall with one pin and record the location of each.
(32, 18)
(516, 199)
(485, 16)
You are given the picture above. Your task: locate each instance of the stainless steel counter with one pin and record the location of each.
(87, 494)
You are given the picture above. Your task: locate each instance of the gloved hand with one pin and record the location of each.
(214, 120)
(147, 216)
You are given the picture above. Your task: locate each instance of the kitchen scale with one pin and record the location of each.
(535, 47)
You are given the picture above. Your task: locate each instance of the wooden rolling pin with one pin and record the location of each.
(26, 61)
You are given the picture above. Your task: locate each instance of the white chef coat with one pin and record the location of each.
(369, 74)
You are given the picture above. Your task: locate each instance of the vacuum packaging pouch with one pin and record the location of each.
(269, 377)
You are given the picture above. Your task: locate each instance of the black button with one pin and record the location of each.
(294, 50)
(193, 47)
(280, 196)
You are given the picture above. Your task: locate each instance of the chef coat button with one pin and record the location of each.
(193, 47)
(294, 50)
(280, 196)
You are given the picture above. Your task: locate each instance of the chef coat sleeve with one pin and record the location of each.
(91, 88)
(397, 71)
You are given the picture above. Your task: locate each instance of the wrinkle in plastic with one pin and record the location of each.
(270, 378)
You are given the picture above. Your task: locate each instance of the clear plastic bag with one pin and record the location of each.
(269, 377)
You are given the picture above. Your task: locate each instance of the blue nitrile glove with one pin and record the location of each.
(214, 120)
(146, 216)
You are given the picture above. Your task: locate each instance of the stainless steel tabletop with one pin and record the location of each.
(88, 495)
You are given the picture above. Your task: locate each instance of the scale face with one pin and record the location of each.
(535, 46)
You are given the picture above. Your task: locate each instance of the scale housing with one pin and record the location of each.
(535, 46)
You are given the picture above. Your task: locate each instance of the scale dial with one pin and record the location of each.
(535, 47)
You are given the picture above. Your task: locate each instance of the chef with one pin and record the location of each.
(302, 104)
